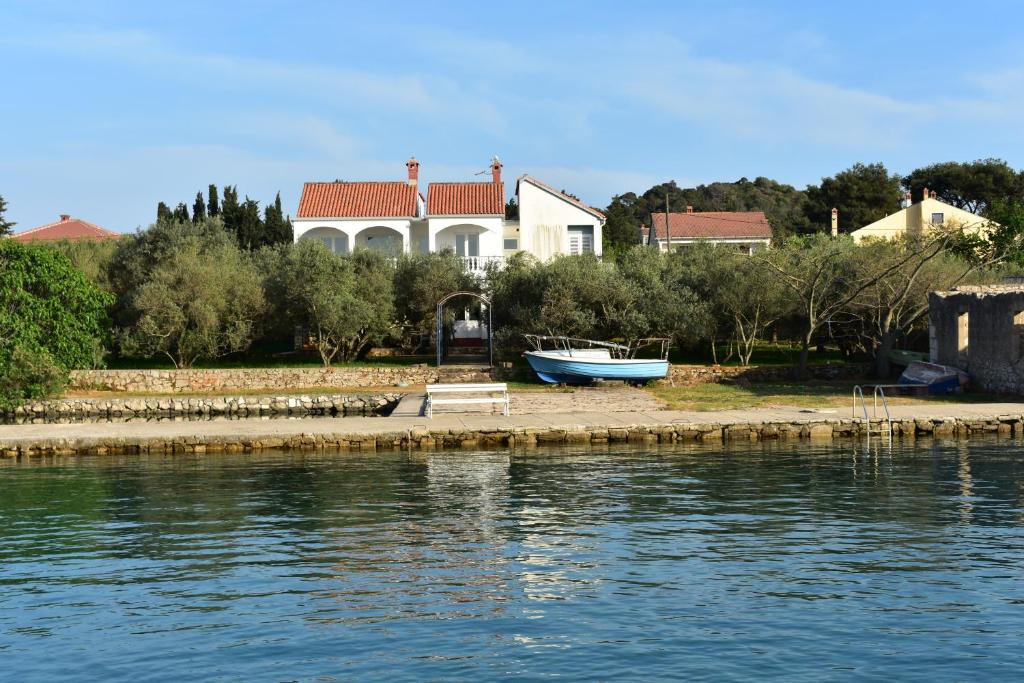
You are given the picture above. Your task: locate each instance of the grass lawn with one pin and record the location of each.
(821, 394)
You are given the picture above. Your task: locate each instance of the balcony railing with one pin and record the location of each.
(478, 264)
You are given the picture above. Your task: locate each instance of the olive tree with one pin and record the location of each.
(900, 275)
(345, 302)
(742, 298)
(187, 292)
(421, 280)
(52, 319)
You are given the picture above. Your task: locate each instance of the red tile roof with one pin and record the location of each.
(389, 199)
(67, 228)
(466, 199)
(558, 193)
(713, 224)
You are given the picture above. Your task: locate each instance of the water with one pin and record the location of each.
(781, 562)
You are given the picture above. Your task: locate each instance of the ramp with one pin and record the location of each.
(411, 405)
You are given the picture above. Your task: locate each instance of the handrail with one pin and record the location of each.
(879, 391)
(863, 404)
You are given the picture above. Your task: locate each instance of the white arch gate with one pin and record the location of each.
(440, 325)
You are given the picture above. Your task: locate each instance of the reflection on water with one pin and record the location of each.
(780, 561)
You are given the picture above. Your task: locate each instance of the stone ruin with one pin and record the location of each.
(979, 329)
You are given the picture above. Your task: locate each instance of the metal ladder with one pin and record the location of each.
(879, 392)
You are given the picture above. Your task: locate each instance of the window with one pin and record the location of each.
(511, 244)
(962, 334)
(581, 239)
(1017, 341)
(938, 218)
(467, 245)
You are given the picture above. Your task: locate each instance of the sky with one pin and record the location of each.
(109, 107)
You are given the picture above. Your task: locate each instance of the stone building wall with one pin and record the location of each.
(979, 330)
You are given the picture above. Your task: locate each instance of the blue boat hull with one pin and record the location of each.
(569, 370)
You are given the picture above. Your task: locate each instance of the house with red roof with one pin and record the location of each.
(748, 231)
(67, 228)
(465, 217)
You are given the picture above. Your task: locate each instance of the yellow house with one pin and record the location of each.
(925, 215)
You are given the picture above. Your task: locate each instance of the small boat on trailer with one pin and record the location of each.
(567, 360)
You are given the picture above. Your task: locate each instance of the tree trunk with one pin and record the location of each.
(882, 365)
(805, 350)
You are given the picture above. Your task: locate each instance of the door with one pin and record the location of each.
(581, 239)
(467, 245)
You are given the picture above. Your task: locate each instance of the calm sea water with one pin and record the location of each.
(776, 562)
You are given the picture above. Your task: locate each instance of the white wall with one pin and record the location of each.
(544, 219)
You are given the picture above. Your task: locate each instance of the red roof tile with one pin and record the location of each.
(466, 199)
(713, 224)
(67, 228)
(396, 199)
(558, 193)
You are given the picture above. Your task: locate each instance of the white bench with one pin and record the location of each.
(445, 391)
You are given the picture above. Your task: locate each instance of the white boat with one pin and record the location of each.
(581, 361)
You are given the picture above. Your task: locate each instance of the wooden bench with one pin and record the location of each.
(446, 390)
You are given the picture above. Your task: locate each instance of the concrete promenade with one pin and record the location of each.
(476, 430)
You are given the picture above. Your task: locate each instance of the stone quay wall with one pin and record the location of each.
(420, 437)
(198, 381)
(123, 409)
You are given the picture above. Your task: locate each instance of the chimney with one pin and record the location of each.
(932, 195)
(835, 222)
(65, 217)
(907, 201)
(414, 171)
(689, 209)
(496, 169)
(924, 193)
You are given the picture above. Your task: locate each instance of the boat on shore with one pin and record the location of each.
(567, 360)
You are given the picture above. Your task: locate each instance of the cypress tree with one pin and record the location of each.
(199, 208)
(181, 212)
(163, 213)
(230, 210)
(5, 225)
(277, 229)
(211, 194)
(250, 229)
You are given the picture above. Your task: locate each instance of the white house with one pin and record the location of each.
(466, 217)
(552, 222)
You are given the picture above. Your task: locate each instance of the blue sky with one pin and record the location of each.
(109, 107)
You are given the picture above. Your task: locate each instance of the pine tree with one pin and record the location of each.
(6, 226)
(199, 209)
(163, 212)
(181, 212)
(214, 207)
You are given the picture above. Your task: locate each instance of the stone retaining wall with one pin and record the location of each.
(75, 409)
(689, 375)
(425, 438)
(196, 381)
